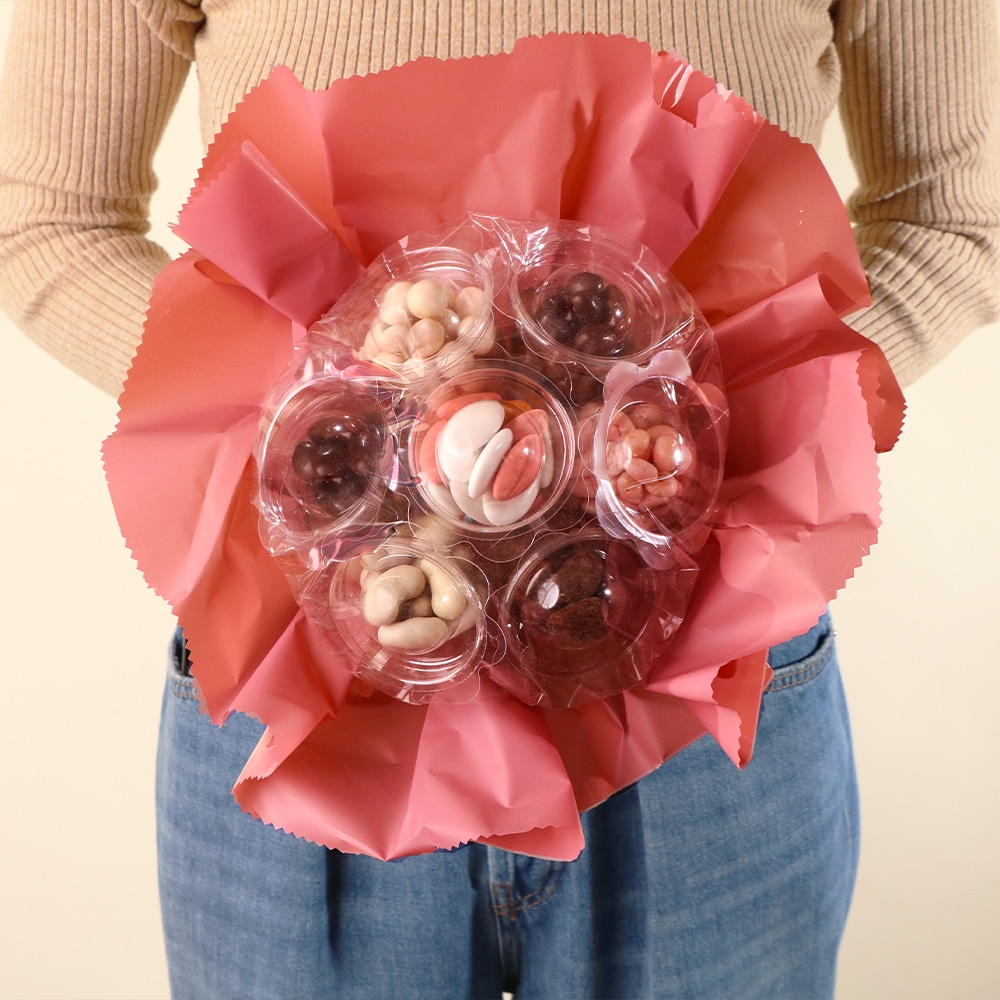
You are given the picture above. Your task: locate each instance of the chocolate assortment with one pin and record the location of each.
(428, 324)
(586, 314)
(490, 451)
(491, 462)
(335, 462)
(569, 601)
(329, 450)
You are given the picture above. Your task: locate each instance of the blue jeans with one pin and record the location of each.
(698, 881)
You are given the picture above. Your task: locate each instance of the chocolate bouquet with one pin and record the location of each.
(484, 465)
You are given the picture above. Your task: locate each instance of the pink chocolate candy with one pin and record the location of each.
(529, 422)
(492, 455)
(426, 452)
(520, 468)
(646, 457)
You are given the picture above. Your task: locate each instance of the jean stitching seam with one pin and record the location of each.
(183, 687)
(507, 909)
(806, 671)
(548, 887)
(511, 908)
(794, 675)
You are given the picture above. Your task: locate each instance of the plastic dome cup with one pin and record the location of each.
(411, 621)
(324, 457)
(584, 301)
(493, 451)
(575, 617)
(419, 313)
(658, 456)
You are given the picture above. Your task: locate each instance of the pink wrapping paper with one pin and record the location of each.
(299, 192)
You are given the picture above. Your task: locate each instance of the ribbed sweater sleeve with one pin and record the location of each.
(919, 104)
(88, 88)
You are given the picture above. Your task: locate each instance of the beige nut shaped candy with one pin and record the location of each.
(413, 634)
(392, 308)
(447, 599)
(470, 301)
(428, 298)
(454, 358)
(389, 554)
(392, 339)
(432, 531)
(467, 620)
(385, 595)
(425, 338)
(420, 607)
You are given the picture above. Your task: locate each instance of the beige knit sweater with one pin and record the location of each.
(89, 85)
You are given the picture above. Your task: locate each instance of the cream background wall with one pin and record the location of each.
(84, 658)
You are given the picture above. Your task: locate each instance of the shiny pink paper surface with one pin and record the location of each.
(303, 189)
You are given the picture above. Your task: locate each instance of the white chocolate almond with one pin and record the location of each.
(470, 301)
(450, 320)
(454, 358)
(392, 308)
(388, 359)
(392, 339)
(485, 342)
(428, 298)
(425, 338)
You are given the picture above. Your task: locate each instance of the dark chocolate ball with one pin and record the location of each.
(587, 315)
(336, 460)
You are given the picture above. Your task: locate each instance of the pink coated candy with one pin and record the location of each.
(642, 471)
(630, 491)
(618, 457)
(667, 453)
(637, 442)
(619, 426)
(645, 415)
(659, 430)
(580, 481)
(520, 468)
(663, 489)
(426, 453)
(529, 422)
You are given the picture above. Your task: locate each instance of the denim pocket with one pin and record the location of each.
(179, 667)
(804, 658)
